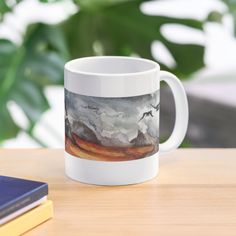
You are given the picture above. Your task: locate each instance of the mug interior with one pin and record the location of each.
(110, 65)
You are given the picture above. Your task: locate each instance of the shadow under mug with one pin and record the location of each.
(112, 119)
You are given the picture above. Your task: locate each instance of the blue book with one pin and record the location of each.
(16, 194)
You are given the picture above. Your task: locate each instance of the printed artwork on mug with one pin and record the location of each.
(111, 129)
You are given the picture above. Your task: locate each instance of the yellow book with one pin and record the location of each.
(28, 220)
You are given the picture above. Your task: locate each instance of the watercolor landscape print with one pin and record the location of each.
(111, 129)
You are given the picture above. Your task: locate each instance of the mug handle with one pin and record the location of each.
(181, 113)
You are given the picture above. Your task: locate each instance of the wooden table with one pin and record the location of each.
(194, 194)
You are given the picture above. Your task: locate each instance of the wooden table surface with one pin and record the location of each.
(194, 194)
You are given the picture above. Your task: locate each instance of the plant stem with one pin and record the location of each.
(37, 140)
(52, 131)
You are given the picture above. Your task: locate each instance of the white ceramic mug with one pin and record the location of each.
(112, 119)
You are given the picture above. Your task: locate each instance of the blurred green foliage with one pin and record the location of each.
(232, 10)
(102, 27)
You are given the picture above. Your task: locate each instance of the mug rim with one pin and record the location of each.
(69, 66)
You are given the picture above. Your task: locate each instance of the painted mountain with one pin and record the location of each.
(111, 129)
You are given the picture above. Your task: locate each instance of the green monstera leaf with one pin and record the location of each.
(25, 70)
(111, 27)
(101, 27)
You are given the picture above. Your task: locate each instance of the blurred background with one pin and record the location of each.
(195, 39)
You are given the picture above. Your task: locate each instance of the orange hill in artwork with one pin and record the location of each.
(92, 151)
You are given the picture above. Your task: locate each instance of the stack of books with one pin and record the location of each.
(23, 205)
